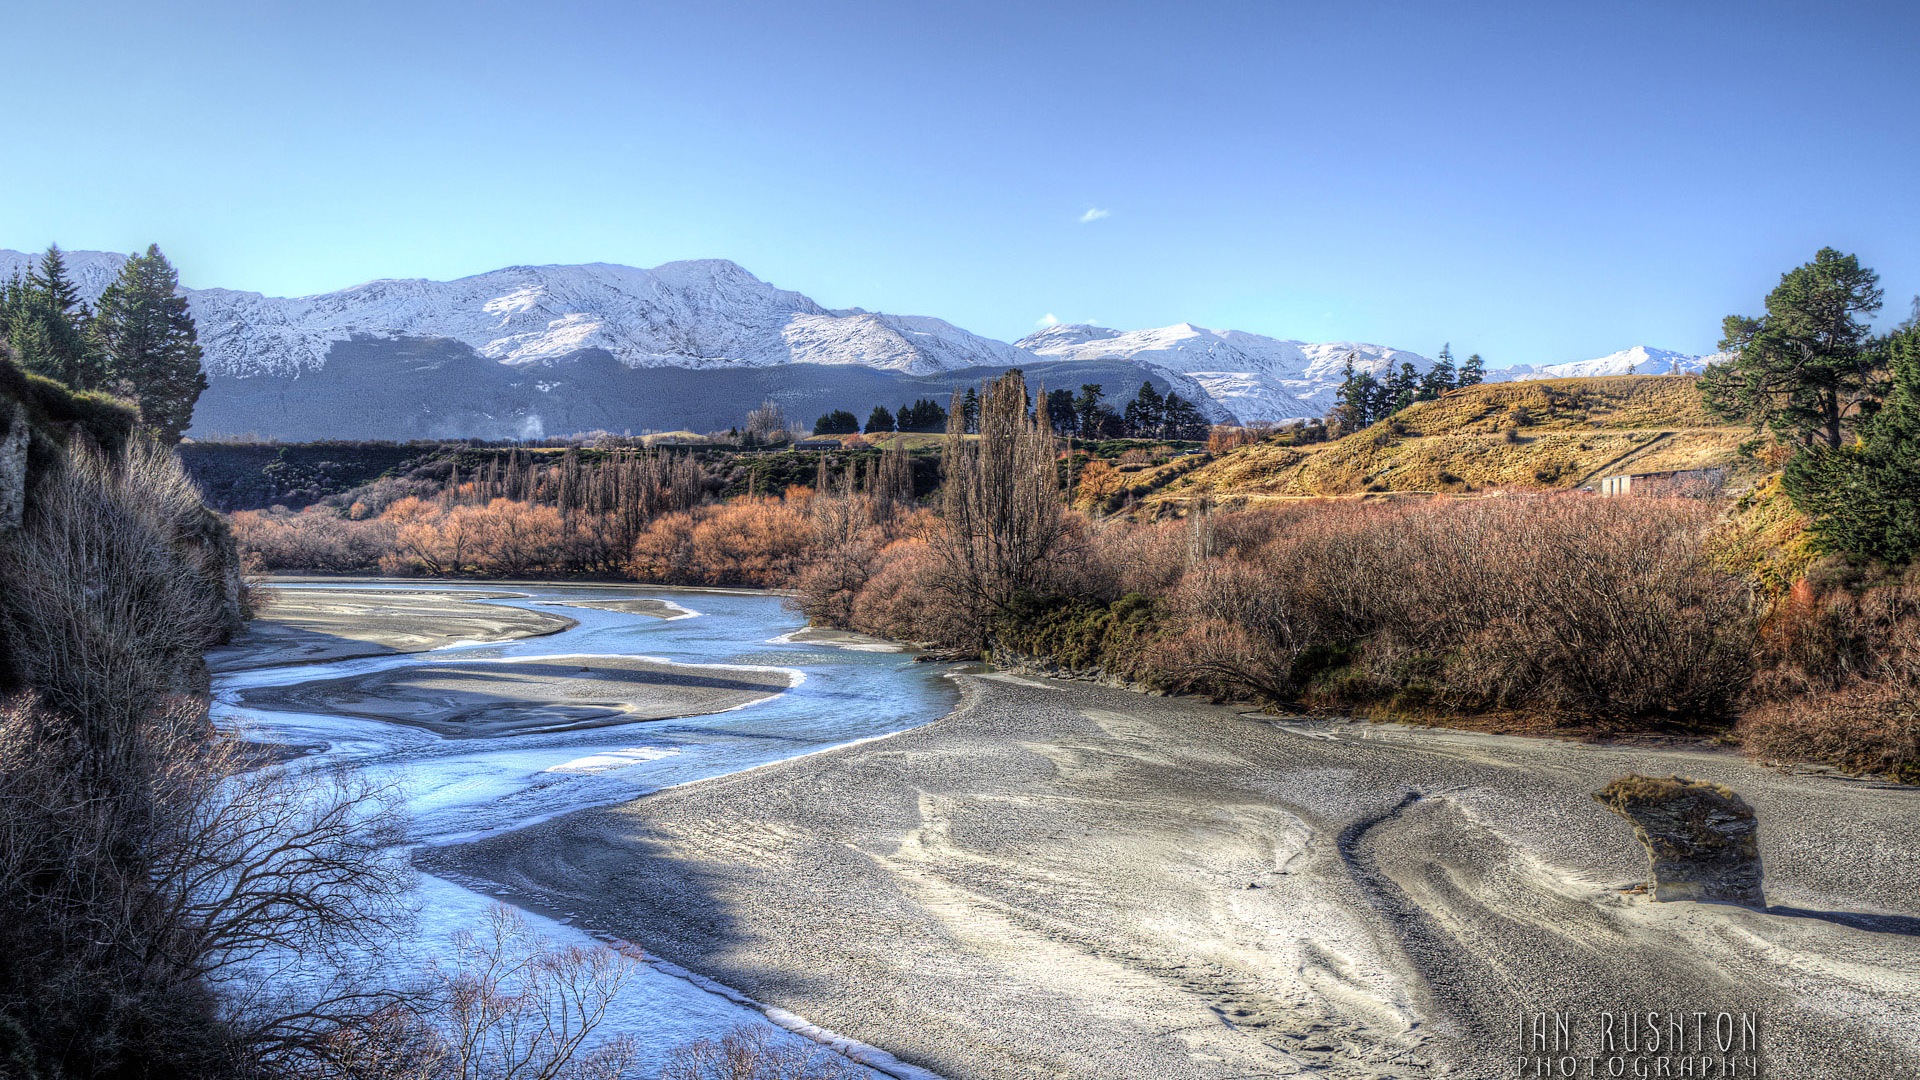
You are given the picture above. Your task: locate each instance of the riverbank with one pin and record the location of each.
(1066, 880)
(457, 789)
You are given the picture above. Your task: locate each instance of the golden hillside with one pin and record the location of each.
(1559, 433)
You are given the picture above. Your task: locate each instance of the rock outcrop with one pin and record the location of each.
(1702, 839)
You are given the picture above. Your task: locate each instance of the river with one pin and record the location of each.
(462, 789)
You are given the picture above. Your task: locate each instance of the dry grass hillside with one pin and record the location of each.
(1558, 433)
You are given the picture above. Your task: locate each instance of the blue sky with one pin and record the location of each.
(1535, 181)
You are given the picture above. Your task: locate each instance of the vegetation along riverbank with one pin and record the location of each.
(1453, 562)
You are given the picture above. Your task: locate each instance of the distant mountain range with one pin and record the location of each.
(533, 350)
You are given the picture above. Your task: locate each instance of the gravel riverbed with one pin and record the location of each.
(1062, 880)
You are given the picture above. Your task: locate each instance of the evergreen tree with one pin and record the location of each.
(879, 420)
(52, 281)
(837, 422)
(1473, 372)
(43, 317)
(1086, 410)
(1060, 412)
(1181, 419)
(1806, 368)
(1359, 399)
(150, 347)
(1864, 498)
(925, 414)
(1146, 413)
(1401, 388)
(1440, 378)
(970, 411)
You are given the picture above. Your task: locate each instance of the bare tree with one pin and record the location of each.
(1002, 522)
(767, 421)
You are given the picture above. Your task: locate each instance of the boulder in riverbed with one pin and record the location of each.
(1702, 839)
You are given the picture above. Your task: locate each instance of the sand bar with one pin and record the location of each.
(1061, 880)
(476, 698)
(314, 625)
(659, 609)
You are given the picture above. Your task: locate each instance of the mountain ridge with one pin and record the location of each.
(713, 314)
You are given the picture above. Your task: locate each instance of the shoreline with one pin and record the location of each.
(1077, 872)
(574, 768)
(443, 583)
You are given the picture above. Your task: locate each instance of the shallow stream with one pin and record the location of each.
(459, 789)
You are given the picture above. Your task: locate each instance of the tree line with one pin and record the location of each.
(1085, 415)
(138, 342)
(1365, 398)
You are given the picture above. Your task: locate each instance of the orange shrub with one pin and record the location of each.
(754, 541)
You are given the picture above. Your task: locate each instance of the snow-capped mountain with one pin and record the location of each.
(562, 348)
(91, 271)
(697, 314)
(1256, 378)
(1639, 360)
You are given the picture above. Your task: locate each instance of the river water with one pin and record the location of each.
(459, 789)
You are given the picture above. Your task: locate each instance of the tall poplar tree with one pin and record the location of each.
(149, 344)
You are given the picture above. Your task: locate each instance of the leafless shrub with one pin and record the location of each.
(750, 1053)
(515, 1008)
(108, 607)
(1838, 676)
(1588, 609)
(508, 1007)
(150, 918)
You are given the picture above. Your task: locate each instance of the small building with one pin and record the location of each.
(817, 444)
(1675, 483)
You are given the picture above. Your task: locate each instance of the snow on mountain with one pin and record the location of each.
(712, 314)
(697, 314)
(91, 271)
(1639, 360)
(1254, 377)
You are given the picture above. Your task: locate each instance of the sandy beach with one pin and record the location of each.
(1067, 881)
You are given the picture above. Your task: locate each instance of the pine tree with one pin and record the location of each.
(149, 345)
(925, 414)
(1401, 387)
(52, 281)
(41, 314)
(1864, 498)
(1060, 412)
(1473, 372)
(1086, 410)
(879, 420)
(837, 422)
(1805, 369)
(1146, 413)
(970, 411)
(1440, 378)
(1181, 419)
(1359, 396)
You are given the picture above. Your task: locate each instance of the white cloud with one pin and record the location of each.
(1049, 319)
(1093, 213)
